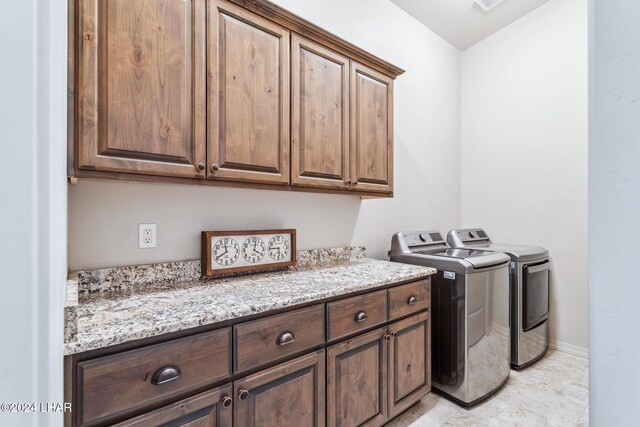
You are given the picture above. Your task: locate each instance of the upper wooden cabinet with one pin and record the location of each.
(371, 129)
(141, 86)
(240, 92)
(248, 96)
(320, 116)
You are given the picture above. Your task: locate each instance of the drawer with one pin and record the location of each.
(139, 379)
(357, 313)
(409, 298)
(266, 340)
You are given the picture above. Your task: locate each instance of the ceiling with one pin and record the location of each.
(462, 22)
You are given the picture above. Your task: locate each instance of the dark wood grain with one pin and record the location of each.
(289, 395)
(371, 127)
(141, 86)
(341, 314)
(117, 385)
(311, 31)
(203, 410)
(319, 115)
(248, 96)
(256, 342)
(409, 362)
(357, 381)
(399, 304)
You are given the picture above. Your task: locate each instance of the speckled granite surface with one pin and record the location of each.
(105, 319)
(122, 278)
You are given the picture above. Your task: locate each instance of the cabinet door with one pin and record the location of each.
(357, 381)
(371, 129)
(248, 96)
(141, 87)
(289, 395)
(409, 362)
(320, 116)
(210, 409)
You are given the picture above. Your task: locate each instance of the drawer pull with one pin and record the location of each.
(226, 401)
(243, 394)
(285, 338)
(412, 300)
(165, 375)
(361, 316)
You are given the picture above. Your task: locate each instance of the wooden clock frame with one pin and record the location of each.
(207, 236)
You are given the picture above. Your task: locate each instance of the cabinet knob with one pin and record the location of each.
(243, 394)
(165, 374)
(348, 182)
(285, 338)
(412, 300)
(394, 333)
(355, 182)
(361, 316)
(226, 401)
(201, 166)
(387, 337)
(215, 167)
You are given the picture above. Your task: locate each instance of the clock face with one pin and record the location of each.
(278, 247)
(226, 251)
(253, 249)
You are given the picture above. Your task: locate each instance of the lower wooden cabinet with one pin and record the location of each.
(210, 409)
(365, 380)
(288, 395)
(356, 381)
(409, 362)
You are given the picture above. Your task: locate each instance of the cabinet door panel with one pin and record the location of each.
(371, 129)
(248, 96)
(141, 86)
(357, 381)
(320, 121)
(203, 410)
(291, 394)
(409, 362)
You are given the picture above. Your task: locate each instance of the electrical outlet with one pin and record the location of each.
(146, 236)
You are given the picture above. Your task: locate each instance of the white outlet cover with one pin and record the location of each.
(144, 230)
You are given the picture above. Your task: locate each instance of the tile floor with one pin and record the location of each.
(553, 392)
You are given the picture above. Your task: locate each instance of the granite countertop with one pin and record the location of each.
(102, 319)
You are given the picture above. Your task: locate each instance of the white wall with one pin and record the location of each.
(103, 216)
(614, 210)
(524, 149)
(33, 211)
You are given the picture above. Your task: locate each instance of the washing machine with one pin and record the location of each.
(470, 314)
(529, 289)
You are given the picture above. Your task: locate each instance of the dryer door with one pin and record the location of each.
(535, 293)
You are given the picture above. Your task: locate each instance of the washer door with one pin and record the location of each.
(535, 293)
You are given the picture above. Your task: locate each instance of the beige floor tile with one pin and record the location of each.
(432, 410)
(552, 392)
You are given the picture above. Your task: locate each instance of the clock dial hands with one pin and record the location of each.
(250, 251)
(278, 247)
(226, 251)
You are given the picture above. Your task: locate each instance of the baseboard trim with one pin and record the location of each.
(569, 348)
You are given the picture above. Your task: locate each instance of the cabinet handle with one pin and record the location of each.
(361, 316)
(243, 394)
(214, 167)
(285, 338)
(387, 337)
(412, 300)
(165, 374)
(226, 401)
(200, 166)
